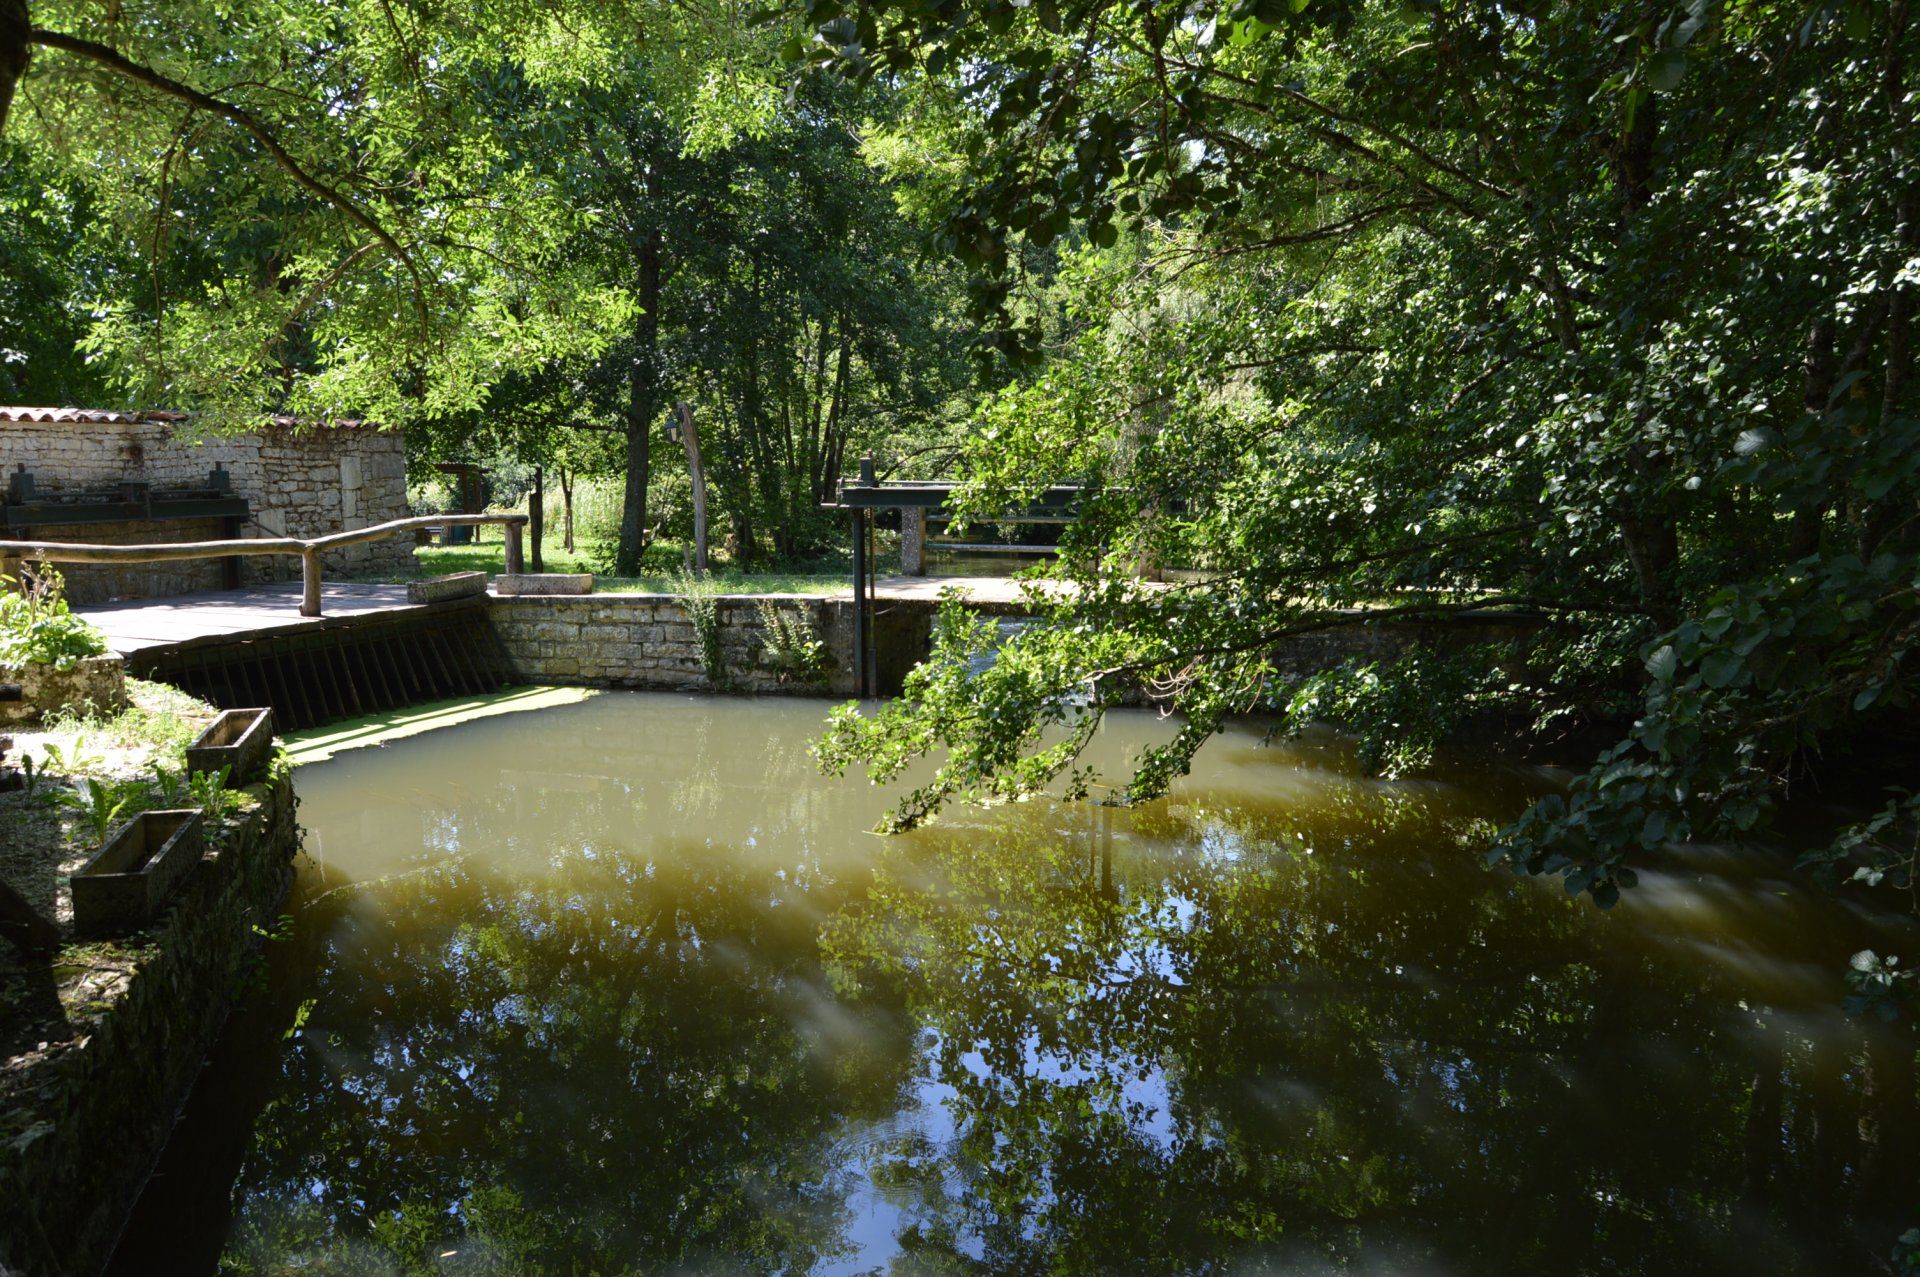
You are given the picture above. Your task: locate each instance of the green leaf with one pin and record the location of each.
(1664, 70)
(1663, 663)
(1721, 667)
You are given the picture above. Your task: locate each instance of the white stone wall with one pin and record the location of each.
(302, 482)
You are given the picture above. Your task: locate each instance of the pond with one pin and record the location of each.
(627, 986)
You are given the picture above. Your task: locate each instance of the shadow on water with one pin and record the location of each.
(625, 986)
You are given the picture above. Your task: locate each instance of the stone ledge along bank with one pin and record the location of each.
(103, 1041)
(649, 641)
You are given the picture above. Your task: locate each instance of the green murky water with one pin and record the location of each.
(625, 986)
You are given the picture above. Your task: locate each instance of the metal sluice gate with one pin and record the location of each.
(365, 665)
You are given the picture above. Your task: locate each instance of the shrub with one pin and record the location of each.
(37, 628)
(696, 594)
(791, 648)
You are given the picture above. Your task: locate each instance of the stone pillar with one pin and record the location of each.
(351, 481)
(913, 541)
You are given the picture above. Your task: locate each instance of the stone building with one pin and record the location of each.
(297, 479)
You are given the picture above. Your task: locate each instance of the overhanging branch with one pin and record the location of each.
(119, 64)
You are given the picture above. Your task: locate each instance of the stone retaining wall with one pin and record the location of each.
(300, 480)
(647, 640)
(98, 582)
(94, 684)
(85, 1113)
(1302, 655)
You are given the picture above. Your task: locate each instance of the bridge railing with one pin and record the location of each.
(14, 553)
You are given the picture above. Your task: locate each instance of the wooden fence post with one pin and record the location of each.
(310, 583)
(515, 566)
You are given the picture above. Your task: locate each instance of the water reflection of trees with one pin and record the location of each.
(1282, 1021)
(633, 1066)
(1211, 1034)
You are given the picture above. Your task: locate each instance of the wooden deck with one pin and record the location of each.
(209, 616)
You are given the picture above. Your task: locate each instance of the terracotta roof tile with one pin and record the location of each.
(104, 417)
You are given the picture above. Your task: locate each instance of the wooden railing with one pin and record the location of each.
(13, 553)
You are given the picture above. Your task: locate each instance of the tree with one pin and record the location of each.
(364, 244)
(775, 285)
(47, 260)
(815, 320)
(1601, 310)
(540, 422)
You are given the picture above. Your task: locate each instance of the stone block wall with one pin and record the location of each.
(299, 480)
(647, 641)
(1302, 655)
(94, 685)
(87, 1108)
(98, 582)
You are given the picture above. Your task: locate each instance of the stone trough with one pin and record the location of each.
(453, 585)
(240, 740)
(130, 877)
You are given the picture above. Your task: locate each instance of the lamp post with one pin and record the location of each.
(680, 430)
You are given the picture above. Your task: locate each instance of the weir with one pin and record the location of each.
(380, 656)
(315, 652)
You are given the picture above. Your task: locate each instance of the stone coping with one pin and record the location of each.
(636, 596)
(543, 584)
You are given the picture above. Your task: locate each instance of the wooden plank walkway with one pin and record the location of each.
(211, 615)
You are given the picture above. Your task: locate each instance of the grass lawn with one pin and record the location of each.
(490, 556)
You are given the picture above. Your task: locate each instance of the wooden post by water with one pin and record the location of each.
(860, 604)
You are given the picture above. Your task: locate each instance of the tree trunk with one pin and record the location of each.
(16, 51)
(745, 551)
(696, 473)
(1648, 525)
(537, 517)
(643, 402)
(1653, 549)
(1897, 508)
(566, 508)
